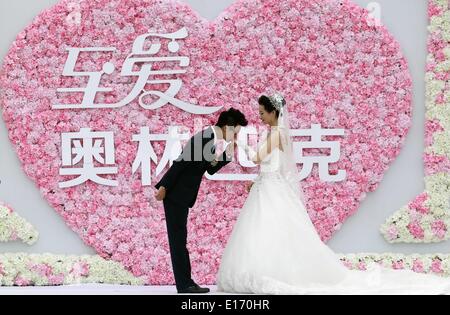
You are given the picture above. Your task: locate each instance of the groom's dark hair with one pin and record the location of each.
(232, 117)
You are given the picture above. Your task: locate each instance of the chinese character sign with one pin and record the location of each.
(316, 133)
(88, 148)
(146, 154)
(95, 152)
(138, 65)
(89, 155)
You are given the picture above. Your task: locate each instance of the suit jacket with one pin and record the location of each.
(182, 180)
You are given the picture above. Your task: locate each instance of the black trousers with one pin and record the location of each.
(176, 220)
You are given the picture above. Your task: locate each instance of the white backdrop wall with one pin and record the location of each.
(406, 19)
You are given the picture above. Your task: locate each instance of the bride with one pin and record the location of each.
(274, 247)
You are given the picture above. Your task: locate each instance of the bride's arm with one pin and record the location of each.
(269, 145)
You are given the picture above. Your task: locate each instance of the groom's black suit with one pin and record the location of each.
(182, 182)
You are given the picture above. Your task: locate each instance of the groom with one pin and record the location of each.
(179, 187)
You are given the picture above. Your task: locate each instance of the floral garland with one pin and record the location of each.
(438, 264)
(13, 227)
(427, 218)
(51, 270)
(334, 65)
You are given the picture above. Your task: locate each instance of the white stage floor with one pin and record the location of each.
(98, 289)
(95, 289)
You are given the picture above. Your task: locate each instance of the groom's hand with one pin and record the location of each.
(249, 186)
(160, 194)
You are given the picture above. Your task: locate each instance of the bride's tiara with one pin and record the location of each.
(277, 101)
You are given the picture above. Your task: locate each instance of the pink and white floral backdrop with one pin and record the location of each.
(334, 66)
(426, 218)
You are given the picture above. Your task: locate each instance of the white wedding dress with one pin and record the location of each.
(275, 249)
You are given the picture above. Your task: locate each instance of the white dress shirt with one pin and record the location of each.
(216, 141)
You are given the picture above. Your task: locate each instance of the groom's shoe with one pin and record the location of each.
(194, 289)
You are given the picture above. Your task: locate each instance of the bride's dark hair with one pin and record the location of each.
(268, 106)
